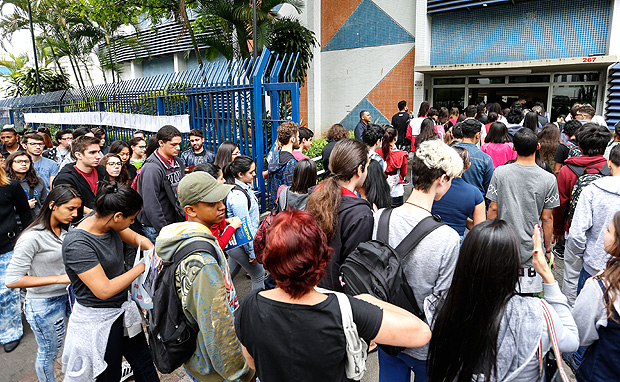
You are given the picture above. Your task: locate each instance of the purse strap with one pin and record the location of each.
(554, 343)
(357, 349)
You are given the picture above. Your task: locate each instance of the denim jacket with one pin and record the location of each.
(190, 158)
(237, 205)
(481, 171)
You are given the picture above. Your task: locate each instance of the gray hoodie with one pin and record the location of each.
(38, 252)
(590, 312)
(597, 205)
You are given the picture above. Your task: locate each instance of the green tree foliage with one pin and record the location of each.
(24, 82)
(227, 25)
(287, 35)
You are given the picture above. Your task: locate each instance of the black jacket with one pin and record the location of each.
(325, 154)
(160, 208)
(12, 199)
(70, 176)
(355, 224)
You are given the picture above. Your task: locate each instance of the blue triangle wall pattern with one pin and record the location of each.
(351, 120)
(368, 25)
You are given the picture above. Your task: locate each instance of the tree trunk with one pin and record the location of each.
(90, 78)
(107, 39)
(56, 60)
(190, 30)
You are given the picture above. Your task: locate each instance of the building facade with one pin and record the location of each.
(375, 53)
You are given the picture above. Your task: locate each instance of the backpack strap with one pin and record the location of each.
(195, 246)
(238, 187)
(600, 284)
(383, 227)
(577, 170)
(417, 234)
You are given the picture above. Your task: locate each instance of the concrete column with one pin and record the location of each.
(422, 52)
(180, 64)
(136, 69)
(313, 80)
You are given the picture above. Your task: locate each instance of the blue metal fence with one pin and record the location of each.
(242, 101)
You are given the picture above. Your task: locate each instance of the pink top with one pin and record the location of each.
(500, 153)
(299, 155)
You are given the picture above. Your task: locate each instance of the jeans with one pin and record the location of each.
(136, 352)
(583, 276)
(238, 258)
(398, 368)
(10, 310)
(150, 233)
(47, 318)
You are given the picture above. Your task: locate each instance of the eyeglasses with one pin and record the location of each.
(36, 144)
(114, 164)
(21, 161)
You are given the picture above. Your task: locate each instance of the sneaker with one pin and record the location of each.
(126, 371)
(557, 254)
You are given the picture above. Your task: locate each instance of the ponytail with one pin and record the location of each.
(241, 164)
(324, 202)
(388, 137)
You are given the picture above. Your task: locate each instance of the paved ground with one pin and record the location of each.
(18, 366)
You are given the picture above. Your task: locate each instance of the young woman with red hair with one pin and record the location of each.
(301, 336)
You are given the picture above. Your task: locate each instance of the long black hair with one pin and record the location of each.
(241, 164)
(304, 176)
(59, 195)
(427, 132)
(531, 121)
(115, 197)
(498, 133)
(376, 186)
(465, 334)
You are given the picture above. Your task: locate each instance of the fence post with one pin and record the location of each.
(161, 110)
(258, 152)
(101, 107)
(61, 109)
(34, 125)
(11, 117)
(295, 103)
(192, 115)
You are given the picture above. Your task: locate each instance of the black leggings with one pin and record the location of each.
(135, 350)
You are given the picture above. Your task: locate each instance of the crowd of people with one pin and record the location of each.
(515, 194)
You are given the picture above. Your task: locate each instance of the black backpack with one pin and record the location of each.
(376, 268)
(172, 336)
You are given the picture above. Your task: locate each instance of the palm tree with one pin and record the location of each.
(230, 25)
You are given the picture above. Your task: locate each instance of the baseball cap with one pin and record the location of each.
(201, 187)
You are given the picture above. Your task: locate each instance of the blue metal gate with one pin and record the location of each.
(242, 101)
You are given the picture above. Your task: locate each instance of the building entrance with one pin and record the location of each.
(505, 96)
